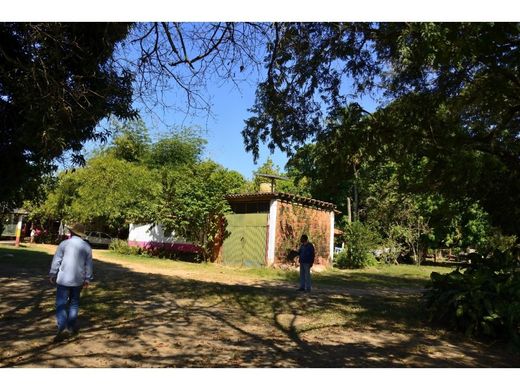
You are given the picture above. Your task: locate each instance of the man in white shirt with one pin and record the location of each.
(71, 270)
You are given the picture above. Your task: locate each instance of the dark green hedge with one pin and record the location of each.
(482, 300)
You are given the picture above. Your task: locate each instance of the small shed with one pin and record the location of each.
(264, 227)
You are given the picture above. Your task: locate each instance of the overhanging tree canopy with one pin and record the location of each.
(449, 92)
(57, 81)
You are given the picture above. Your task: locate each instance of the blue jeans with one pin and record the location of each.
(305, 276)
(66, 317)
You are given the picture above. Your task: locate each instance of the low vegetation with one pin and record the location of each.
(481, 300)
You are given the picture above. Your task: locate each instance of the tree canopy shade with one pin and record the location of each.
(57, 81)
(192, 202)
(449, 92)
(135, 180)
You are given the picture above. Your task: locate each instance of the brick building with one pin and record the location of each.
(264, 227)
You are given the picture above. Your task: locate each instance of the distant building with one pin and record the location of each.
(264, 229)
(10, 220)
(152, 236)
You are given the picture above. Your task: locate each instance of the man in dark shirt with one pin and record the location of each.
(306, 255)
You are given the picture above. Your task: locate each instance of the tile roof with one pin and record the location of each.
(256, 196)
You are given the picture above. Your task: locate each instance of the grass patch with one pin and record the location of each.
(390, 276)
(382, 276)
(112, 297)
(24, 257)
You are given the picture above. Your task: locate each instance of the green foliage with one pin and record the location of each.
(347, 259)
(182, 148)
(107, 191)
(495, 241)
(131, 140)
(450, 105)
(484, 299)
(192, 202)
(331, 166)
(479, 301)
(115, 191)
(134, 181)
(408, 218)
(56, 198)
(122, 247)
(360, 240)
(57, 81)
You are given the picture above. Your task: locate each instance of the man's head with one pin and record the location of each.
(304, 239)
(77, 229)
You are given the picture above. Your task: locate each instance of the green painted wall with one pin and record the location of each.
(246, 244)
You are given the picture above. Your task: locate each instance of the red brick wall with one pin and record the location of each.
(292, 221)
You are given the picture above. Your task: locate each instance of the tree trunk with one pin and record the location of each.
(356, 194)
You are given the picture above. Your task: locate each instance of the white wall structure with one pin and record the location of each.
(271, 222)
(151, 233)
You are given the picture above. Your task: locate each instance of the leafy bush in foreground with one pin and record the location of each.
(484, 300)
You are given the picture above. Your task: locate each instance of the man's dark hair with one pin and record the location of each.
(304, 238)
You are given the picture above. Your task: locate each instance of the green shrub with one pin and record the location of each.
(360, 240)
(346, 259)
(122, 247)
(484, 300)
(390, 251)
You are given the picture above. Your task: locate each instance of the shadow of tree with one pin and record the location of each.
(131, 319)
(379, 280)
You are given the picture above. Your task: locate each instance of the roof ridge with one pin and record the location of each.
(282, 196)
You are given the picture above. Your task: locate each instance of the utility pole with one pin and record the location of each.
(349, 210)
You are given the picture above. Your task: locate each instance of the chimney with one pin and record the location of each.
(266, 187)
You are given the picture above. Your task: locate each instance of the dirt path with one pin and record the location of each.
(181, 319)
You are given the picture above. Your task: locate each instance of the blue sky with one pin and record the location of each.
(225, 141)
(223, 129)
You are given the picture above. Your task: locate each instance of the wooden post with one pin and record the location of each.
(349, 211)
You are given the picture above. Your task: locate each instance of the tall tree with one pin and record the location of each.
(448, 91)
(131, 140)
(192, 202)
(107, 191)
(57, 81)
(182, 148)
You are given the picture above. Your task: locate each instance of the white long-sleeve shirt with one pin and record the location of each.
(72, 262)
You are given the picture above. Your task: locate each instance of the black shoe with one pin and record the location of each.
(61, 335)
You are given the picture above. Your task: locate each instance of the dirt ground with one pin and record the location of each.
(138, 317)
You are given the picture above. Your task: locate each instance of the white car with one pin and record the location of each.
(98, 239)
